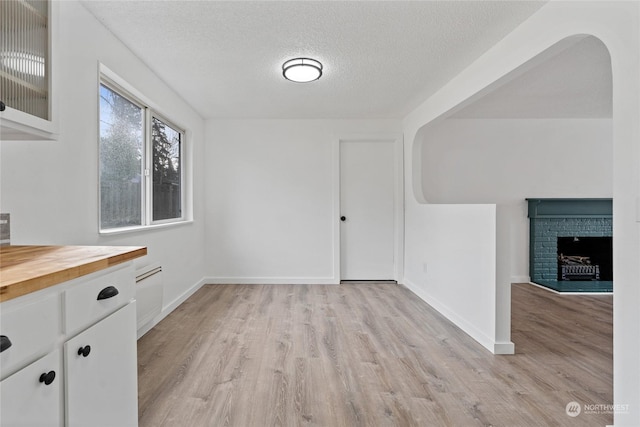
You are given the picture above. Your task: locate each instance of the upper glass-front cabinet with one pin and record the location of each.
(26, 108)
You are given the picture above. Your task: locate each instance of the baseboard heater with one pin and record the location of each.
(149, 287)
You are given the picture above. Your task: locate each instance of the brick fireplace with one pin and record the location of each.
(584, 229)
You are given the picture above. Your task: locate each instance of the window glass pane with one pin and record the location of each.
(121, 149)
(167, 174)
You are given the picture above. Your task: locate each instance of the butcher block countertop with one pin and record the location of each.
(26, 269)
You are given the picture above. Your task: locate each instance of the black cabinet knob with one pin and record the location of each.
(343, 218)
(108, 292)
(84, 351)
(5, 343)
(3, 106)
(48, 377)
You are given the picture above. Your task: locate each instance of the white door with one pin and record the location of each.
(367, 210)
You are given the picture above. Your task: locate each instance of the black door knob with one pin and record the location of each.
(48, 377)
(84, 351)
(343, 218)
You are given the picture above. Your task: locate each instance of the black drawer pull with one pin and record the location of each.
(84, 351)
(48, 377)
(108, 292)
(5, 343)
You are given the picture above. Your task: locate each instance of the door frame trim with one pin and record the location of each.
(398, 250)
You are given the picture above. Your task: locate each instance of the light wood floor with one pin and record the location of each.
(369, 355)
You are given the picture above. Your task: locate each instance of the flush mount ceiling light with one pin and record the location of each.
(302, 70)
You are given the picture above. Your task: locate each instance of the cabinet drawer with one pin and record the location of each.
(91, 300)
(30, 327)
(27, 401)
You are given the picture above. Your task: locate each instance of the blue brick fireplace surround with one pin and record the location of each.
(553, 218)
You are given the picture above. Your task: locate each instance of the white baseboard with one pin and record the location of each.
(568, 294)
(166, 310)
(504, 348)
(470, 329)
(271, 280)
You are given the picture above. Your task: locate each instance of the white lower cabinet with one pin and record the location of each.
(33, 396)
(101, 373)
(69, 355)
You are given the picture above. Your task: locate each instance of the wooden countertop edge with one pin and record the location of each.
(44, 281)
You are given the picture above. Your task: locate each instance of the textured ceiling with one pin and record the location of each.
(381, 58)
(575, 83)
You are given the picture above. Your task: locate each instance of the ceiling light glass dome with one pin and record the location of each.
(302, 70)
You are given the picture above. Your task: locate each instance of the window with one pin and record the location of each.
(141, 163)
(167, 179)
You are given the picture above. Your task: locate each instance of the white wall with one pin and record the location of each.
(50, 187)
(270, 198)
(617, 25)
(505, 161)
(451, 264)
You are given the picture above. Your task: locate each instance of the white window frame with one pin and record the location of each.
(115, 83)
(148, 173)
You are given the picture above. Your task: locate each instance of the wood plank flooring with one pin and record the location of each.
(369, 355)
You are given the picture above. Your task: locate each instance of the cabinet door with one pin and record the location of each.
(101, 373)
(27, 103)
(25, 401)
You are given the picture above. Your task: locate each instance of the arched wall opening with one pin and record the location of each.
(473, 166)
(543, 131)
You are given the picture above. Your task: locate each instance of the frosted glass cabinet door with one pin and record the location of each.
(32, 396)
(101, 373)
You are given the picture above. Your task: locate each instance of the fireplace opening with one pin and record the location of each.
(585, 258)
